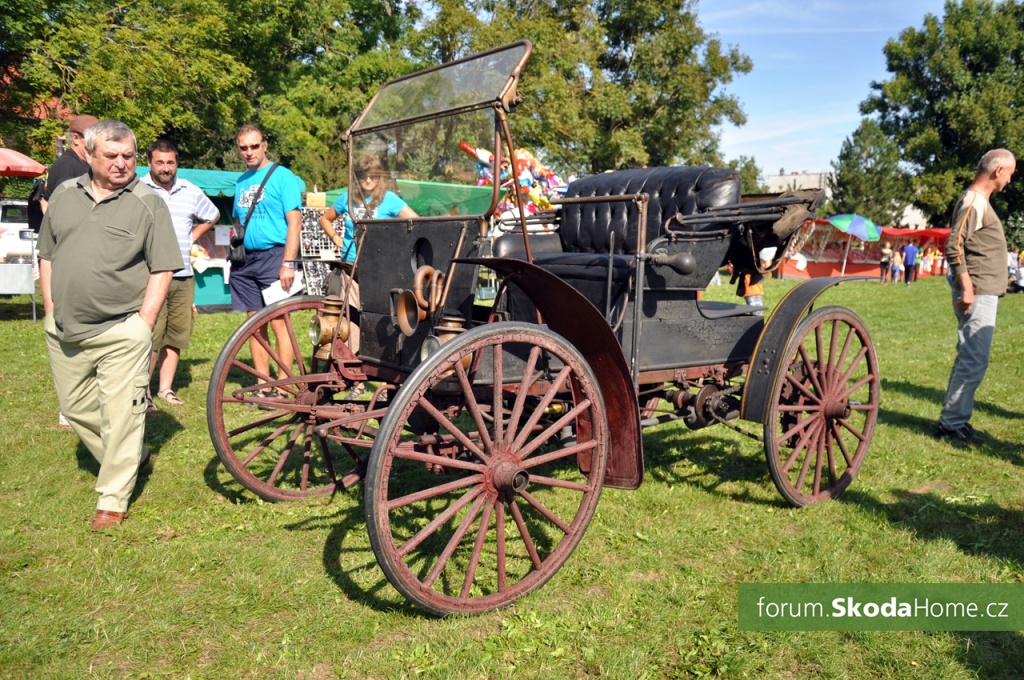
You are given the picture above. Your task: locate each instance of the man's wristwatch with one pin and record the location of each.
(288, 265)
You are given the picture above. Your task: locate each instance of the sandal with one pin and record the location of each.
(269, 393)
(150, 406)
(170, 397)
(358, 390)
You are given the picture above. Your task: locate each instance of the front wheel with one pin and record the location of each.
(487, 469)
(266, 425)
(824, 406)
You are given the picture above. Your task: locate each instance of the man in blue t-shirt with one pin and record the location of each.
(271, 239)
(909, 262)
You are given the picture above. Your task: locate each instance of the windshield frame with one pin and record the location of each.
(506, 97)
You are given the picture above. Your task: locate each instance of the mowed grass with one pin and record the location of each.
(205, 581)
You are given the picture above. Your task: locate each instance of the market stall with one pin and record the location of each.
(820, 250)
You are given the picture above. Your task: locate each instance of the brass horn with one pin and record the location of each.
(428, 286)
(408, 313)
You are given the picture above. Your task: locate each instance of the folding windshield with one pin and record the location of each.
(431, 137)
(473, 82)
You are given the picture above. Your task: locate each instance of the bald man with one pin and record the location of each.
(976, 253)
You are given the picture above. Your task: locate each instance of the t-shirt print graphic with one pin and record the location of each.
(245, 200)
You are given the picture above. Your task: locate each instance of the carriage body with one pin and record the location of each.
(487, 431)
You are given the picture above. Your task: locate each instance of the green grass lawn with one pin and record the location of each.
(205, 581)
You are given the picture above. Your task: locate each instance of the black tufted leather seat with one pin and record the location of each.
(579, 254)
(586, 228)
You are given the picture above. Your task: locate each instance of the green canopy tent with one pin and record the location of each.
(436, 198)
(214, 183)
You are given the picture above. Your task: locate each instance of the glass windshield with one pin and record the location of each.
(440, 166)
(478, 81)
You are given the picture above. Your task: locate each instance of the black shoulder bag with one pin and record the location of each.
(236, 255)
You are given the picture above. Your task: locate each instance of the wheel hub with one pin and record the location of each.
(836, 409)
(507, 477)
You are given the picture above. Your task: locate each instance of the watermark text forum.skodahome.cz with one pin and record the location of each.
(853, 608)
(900, 606)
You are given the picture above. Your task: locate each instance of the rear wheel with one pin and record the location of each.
(276, 443)
(824, 407)
(487, 470)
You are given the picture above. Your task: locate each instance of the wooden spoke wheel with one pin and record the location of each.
(824, 407)
(487, 469)
(269, 427)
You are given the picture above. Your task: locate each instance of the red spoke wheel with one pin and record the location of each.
(824, 407)
(487, 469)
(264, 425)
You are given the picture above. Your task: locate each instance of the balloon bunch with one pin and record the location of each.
(533, 179)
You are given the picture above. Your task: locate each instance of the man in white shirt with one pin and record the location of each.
(193, 214)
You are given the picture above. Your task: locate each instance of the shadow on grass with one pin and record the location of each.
(234, 494)
(338, 561)
(19, 308)
(1012, 452)
(936, 396)
(981, 529)
(721, 459)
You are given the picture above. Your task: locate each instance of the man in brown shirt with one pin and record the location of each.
(976, 253)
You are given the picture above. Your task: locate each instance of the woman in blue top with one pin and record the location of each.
(372, 198)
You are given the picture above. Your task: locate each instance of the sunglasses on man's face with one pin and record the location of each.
(251, 147)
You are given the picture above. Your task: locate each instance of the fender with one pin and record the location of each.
(766, 361)
(572, 316)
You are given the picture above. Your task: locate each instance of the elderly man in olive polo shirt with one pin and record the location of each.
(107, 251)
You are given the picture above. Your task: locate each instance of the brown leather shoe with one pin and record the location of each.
(105, 519)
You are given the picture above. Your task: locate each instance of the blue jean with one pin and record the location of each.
(973, 346)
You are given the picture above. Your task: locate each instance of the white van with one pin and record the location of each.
(16, 239)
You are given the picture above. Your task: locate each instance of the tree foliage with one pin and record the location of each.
(866, 178)
(620, 83)
(611, 84)
(954, 94)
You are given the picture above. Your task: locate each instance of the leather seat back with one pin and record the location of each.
(587, 227)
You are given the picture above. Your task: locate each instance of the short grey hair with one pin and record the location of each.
(109, 130)
(993, 160)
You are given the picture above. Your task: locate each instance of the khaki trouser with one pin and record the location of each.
(101, 384)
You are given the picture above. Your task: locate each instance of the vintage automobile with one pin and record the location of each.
(487, 433)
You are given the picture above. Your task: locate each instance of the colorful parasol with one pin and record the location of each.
(16, 164)
(855, 225)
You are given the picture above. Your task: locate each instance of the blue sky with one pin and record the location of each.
(814, 61)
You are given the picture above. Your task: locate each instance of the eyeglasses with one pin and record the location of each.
(251, 147)
(360, 176)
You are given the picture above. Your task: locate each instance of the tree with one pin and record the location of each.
(611, 84)
(24, 23)
(954, 94)
(157, 66)
(866, 178)
(750, 174)
(349, 49)
(618, 83)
